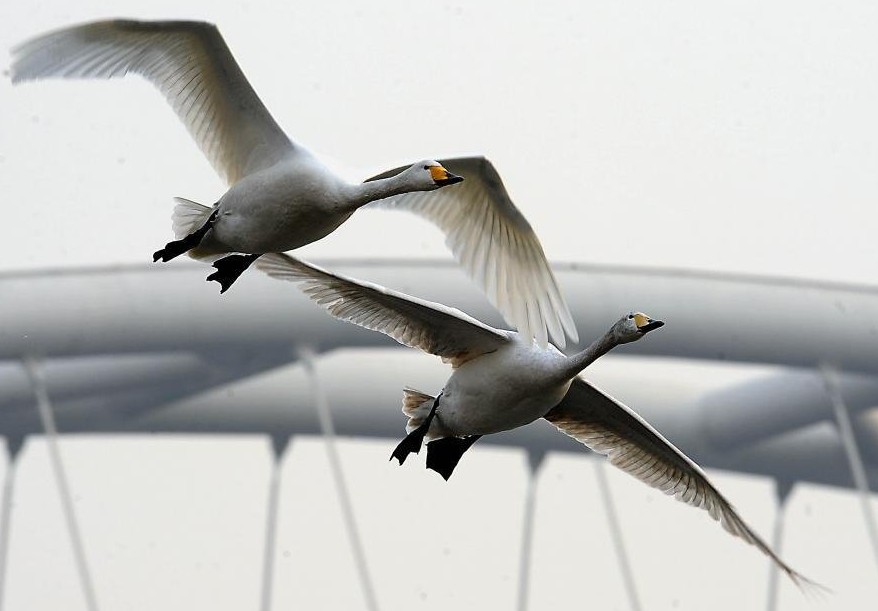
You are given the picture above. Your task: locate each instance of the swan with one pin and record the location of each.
(280, 196)
(501, 382)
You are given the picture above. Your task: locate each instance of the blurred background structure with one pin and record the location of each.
(140, 350)
(713, 166)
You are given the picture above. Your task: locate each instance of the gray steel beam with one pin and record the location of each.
(709, 316)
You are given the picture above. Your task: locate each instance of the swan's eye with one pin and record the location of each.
(426, 167)
(630, 316)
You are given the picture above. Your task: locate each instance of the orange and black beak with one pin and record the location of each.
(443, 177)
(645, 324)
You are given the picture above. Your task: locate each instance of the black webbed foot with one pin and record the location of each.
(413, 441)
(178, 247)
(444, 454)
(229, 269)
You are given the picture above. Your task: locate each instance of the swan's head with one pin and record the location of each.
(426, 175)
(430, 175)
(634, 326)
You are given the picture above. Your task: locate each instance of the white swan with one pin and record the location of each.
(500, 382)
(281, 197)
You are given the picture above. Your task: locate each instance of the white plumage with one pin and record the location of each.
(500, 382)
(282, 197)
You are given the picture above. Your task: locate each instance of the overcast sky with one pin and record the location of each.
(731, 136)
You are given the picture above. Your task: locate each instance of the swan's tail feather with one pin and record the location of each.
(416, 405)
(188, 216)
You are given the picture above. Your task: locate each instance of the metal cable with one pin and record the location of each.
(47, 418)
(855, 460)
(527, 540)
(6, 521)
(777, 546)
(270, 534)
(616, 533)
(328, 430)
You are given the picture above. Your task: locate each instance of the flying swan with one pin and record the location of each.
(280, 196)
(501, 382)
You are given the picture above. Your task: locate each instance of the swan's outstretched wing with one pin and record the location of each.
(191, 65)
(631, 444)
(416, 323)
(496, 245)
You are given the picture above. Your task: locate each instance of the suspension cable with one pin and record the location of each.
(616, 533)
(6, 519)
(530, 500)
(47, 418)
(270, 545)
(855, 459)
(328, 429)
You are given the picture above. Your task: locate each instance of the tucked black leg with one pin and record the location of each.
(178, 247)
(444, 454)
(228, 269)
(413, 441)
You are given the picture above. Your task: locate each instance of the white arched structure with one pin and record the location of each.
(131, 340)
(154, 349)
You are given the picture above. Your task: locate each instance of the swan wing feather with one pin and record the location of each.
(417, 323)
(496, 245)
(611, 428)
(189, 62)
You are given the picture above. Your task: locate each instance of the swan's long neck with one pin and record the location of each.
(596, 350)
(363, 193)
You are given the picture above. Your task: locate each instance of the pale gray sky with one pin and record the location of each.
(735, 136)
